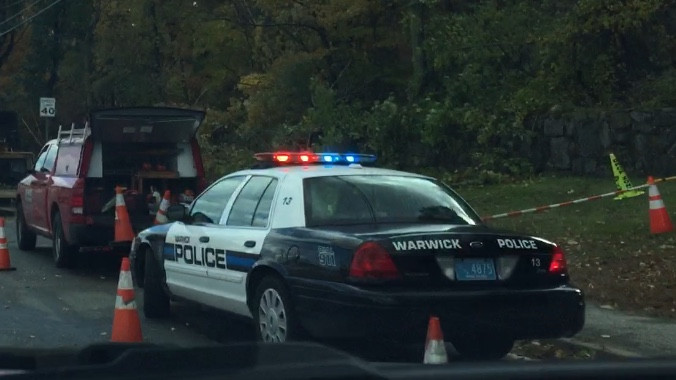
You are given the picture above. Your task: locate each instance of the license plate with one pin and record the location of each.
(474, 269)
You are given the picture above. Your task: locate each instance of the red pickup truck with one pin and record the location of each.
(67, 195)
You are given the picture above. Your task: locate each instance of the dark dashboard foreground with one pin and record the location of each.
(293, 361)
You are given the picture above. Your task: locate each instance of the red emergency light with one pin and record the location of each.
(289, 158)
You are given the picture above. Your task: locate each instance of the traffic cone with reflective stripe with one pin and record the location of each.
(161, 216)
(123, 231)
(435, 348)
(659, 217)
(4, 251)
(126, 322)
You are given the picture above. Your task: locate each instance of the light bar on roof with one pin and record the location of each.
(289, 158)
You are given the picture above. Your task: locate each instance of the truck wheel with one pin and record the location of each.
(156, 302)
(274, 318)
(61, 250)
(24, 236)
(483, 347)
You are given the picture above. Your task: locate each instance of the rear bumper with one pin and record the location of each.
(335, 310)
(100, 229)
(90, 234)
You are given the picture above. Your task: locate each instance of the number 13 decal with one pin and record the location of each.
(286, 200)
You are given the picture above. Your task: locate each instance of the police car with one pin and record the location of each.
(327, 246)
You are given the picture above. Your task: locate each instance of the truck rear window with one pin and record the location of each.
(68, 160)
(341, 200)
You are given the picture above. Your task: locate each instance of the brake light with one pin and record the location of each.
(77, 198)
(558, 263)
(199, 165)
(85, 157)
(371, 260)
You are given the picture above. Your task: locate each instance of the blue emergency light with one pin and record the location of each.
(291, 158)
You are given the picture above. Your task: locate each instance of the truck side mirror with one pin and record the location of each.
(176, 212)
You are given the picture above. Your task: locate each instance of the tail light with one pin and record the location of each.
(85, 157)
(199, 165)
(371, 260)
(558, 263)
(77, 204)
(77, 198)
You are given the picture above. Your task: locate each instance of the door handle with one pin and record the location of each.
(204, 239)
(249, 243)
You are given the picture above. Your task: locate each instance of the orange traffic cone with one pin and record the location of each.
(659, 217)
(161, 216)
(4, 251)
(435, 348)
(126, 322)
(123, 231)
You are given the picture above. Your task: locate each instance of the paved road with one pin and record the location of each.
(42, 306)
(629, 335)
(45, 307)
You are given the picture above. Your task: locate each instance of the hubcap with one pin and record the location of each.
(272, 317)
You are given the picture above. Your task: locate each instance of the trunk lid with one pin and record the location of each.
(464, 256)
(145, 124)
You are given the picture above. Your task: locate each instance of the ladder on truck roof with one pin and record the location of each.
(68, 135)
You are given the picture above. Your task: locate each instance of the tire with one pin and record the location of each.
(64, 253)
(156, 302)
(483, 348)
(24, 236)
(274, 318)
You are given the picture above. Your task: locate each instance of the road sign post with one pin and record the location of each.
(48, 111)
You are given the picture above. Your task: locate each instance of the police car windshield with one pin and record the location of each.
(359, 199)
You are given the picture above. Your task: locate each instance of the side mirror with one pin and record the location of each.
(177, 212)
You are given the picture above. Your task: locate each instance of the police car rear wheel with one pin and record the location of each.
(273, 315)
(483, 347)
(156, 302)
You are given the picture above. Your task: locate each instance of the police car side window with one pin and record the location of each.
(209, 207)
(244, 209)
(262, 213)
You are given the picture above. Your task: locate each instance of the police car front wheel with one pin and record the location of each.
(274, 318)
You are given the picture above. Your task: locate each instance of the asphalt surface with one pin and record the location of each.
(628, 335)
(46, 307)
(42, 306)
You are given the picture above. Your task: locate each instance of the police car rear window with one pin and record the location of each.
(340, 200)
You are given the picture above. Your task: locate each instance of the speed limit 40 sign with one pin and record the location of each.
(47, 107)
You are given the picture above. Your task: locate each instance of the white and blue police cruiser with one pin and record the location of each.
(324, 245)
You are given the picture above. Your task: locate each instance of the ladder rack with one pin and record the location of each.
(68, 135)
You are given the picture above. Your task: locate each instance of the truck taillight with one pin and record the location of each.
(371, 260)
(199, 165)
(77, 204)
(558, 263)
(77, 198)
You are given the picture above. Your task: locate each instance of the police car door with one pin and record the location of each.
(187, 270)
(246, 226)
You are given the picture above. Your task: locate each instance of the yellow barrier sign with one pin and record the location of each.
(622, 181)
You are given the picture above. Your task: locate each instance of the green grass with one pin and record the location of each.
(607, 226)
